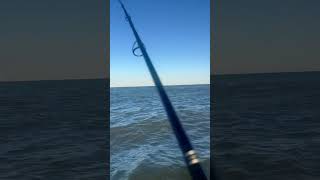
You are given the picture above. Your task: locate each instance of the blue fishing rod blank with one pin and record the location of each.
(189, 154)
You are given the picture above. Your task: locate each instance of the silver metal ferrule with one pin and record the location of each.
(192, 157)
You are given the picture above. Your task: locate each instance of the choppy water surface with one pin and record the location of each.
(267, 126)
(53, 130)
(142, 143)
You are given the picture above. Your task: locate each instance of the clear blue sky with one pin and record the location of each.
(176, 35)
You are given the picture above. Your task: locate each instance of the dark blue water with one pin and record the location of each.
(54, 130)
(142, 144)
(267, 126)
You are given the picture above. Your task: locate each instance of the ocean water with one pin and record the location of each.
(54, 130)
(266, 126)
(142, 144)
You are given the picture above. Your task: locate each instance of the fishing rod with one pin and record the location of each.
(189, 154)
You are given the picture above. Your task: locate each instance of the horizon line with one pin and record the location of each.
(163, 85)
(276, 72)
(108, 78)
(67, 79)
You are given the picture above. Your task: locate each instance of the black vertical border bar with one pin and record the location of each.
(107, 56)
(212, 171)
